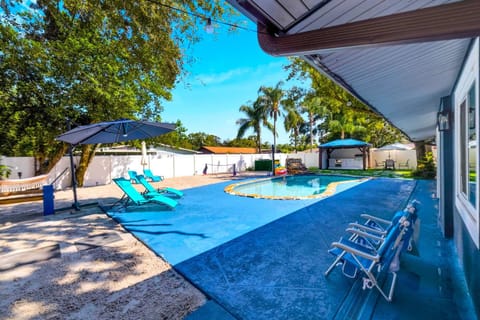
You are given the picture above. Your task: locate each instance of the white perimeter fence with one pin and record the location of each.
(103, 169)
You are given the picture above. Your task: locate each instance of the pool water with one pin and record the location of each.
(292, 187)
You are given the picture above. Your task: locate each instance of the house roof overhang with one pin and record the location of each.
(399, 58)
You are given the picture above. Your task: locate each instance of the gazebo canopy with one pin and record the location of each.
(344, 143)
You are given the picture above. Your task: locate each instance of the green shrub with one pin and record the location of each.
(4, 171)
(426, 167)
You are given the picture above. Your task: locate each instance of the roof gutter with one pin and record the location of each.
(444, 22)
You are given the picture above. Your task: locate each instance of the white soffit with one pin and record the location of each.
(337, 12)
(403, 80)
(284, 13)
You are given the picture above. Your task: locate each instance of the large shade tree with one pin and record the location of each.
(28, 98)
(200, 139)
(248, 142)
(338, 113)
(89, 61)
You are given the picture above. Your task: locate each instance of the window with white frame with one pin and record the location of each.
(466, 115)
(468, 147)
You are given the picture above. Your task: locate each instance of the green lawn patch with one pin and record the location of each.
(369, 173)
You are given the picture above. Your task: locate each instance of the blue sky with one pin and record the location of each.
(229, 70)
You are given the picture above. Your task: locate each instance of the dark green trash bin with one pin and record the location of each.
(263, 165)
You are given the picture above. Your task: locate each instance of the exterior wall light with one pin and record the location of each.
(443, 120)
(209, 26)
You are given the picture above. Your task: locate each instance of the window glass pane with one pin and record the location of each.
(472, 150)
(463, 156)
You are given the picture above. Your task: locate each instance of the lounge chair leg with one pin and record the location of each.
(392, 287)
(334, 264)
(121, 201)
(390, 291)
(368, 283)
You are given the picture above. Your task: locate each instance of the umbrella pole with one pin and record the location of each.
(273, 160)
(74, 181)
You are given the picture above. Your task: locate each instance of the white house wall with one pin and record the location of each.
(469, 76)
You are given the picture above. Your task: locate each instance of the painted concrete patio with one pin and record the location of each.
(265, 259)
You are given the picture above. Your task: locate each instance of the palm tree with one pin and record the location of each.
(347, 122)
(293, 122)
(312, 106)
(342, 123)
(271, 101)
(293, 119)
(255, 119)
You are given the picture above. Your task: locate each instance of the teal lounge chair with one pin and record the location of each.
(149, 175)
(151, 191)
(133, 176)
(133, 197)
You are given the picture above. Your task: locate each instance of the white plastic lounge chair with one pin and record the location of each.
(404, 165)
(379, 165)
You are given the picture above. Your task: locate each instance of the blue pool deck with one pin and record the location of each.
(265, 259)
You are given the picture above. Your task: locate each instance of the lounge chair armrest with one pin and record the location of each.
(374, 258)
(376, 219)
(366, 228)
(365, 234)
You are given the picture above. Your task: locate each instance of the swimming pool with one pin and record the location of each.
(293, 187)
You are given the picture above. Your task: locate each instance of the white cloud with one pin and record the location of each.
(218, 78)
(266, 71)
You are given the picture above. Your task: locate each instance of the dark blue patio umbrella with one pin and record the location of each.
(115, 131)
(110, 132)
